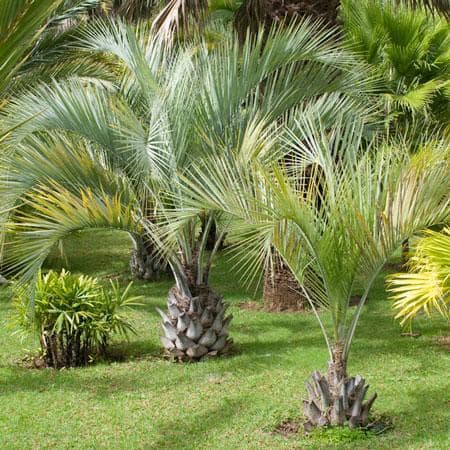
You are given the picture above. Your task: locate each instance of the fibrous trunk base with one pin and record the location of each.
(282, 291)
(145, 263)
(195, 327)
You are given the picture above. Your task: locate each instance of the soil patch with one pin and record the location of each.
(288, 427)
(444, 341)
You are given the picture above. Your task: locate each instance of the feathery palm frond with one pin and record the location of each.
(440, 6)
(53, 212)
(175, 15)
(21, 24)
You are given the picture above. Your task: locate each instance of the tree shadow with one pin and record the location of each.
(133, 349)
(190, 431)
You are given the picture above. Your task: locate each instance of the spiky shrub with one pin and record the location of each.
(426, 285)
(73, 315)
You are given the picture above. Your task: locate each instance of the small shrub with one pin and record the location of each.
(74, 316)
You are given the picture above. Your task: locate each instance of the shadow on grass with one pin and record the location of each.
(136, 349)
(191, 430)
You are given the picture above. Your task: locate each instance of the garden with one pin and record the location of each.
(224, 225)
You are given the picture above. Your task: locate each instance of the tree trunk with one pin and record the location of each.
(145, 263)
(255, 13)
(281, 290)
(405, 252)
(195, 327)
(336, 399)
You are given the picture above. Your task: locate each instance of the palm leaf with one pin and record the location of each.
(426, 286)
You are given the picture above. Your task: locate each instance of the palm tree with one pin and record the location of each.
(409, 49)
(422, 91)
(173, 107)
(372, 198)
(35, 46)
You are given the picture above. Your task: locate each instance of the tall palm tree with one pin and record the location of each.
(173, 107)
(372, 198)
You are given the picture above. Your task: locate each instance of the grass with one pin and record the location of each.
(144, 401)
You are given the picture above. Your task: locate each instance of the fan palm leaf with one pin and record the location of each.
(426, 285)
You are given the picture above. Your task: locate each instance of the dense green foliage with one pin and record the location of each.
(74, 316)
(410, 50)
(326, 146)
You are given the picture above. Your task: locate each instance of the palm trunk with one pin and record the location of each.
(195, 326)
(145, 264)
(281, 290)
(336, 399)
(255, 13)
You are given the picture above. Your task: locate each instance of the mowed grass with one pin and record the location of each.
(143, 401)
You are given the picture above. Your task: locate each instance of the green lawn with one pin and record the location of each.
(144, 401)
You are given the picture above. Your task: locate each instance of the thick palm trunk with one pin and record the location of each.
(195, 326)
(145, 263)
(281, 290)
(255, 13)
(337, 399)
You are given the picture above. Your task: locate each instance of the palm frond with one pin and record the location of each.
(175, 15)
(426, 286)
(53, 213)
(21, 24)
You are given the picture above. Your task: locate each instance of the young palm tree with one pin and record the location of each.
(371, 199)
(170, 109)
